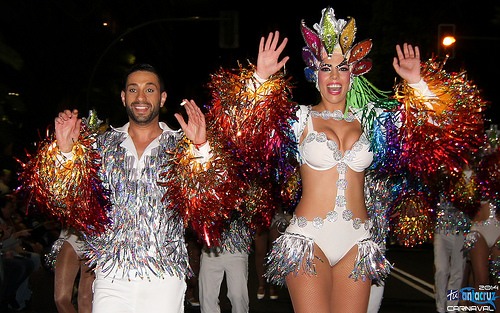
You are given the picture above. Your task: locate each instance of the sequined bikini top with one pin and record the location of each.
(321, 153)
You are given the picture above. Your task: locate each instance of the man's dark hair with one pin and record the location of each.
(146, 68)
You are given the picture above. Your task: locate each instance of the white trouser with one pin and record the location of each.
(121, 295)
(212, 269)
(376, 295)
(449, 263)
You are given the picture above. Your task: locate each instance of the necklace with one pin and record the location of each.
(336, 115)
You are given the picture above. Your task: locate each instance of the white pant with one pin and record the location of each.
(376, 295)
(160, 295)
(449, 262)
(212, 269)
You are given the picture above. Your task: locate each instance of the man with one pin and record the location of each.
(449, 257)
(141, 258)
(229, 258)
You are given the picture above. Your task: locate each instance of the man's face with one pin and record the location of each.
(142, 97)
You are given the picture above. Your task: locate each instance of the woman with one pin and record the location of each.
(334, 151)
(483, 240)
(327, 255)
(484, 237)
(70, 262)
(264, 237)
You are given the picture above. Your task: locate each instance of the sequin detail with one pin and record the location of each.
(144, 239)
(451, 221)
(331, 216)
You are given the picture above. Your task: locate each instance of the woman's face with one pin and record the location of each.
(334, 79)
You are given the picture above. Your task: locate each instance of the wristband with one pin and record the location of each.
(198, 145)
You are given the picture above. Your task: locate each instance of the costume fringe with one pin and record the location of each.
(206, 195)
(416, 140)
(470, 240)
(254, 167)
(236, 238)
(68, 190)
(51, 256)
(495, 269)
(488, 177)
(447, 131)
(291, 253)
(370, 263)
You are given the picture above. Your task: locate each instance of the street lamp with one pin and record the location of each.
(446, 40)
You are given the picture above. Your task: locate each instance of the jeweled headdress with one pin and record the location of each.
(331, 36)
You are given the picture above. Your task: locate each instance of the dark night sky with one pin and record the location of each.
(70, 60)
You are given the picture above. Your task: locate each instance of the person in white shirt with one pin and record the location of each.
(140, 256)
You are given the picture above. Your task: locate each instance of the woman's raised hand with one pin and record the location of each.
(407, 63)
(269, 53)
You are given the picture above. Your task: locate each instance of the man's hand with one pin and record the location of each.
(195, 129)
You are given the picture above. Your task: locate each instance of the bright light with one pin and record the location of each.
(448, 41)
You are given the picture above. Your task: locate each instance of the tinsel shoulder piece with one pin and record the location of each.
(443, 130)
(67, 189)
(488, 177)
(205, 195)
(253, 170)
(421, 136)
(253, 121)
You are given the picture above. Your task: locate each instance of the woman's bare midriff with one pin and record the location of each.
(319, 192)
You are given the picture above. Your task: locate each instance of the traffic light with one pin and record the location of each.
(446, 40)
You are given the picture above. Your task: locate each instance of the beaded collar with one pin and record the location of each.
(336, 115)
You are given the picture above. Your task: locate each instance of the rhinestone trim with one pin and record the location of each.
(332, 217)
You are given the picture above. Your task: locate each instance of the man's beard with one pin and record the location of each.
(143, 119)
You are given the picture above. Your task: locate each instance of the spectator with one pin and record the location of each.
(18, 264)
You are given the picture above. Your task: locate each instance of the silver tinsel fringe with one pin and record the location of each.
(50, 257)
(294, 253)
(141, 223)
(470, 240)
(290, 254)
(237, 238)
(370, 263)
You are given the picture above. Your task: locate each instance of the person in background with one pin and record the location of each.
(263, 242)
(452, 225)
(5, 180)
(483, 241)
(194, 251)
(69, 267)
(18, 264)
(229, 258)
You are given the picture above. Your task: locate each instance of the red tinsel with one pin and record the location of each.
(68, 190)
(441, 131)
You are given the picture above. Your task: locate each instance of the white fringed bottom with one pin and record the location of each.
(294, 253)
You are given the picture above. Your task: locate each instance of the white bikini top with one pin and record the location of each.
(321, 153)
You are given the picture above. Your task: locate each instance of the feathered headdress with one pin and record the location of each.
(331, 36)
